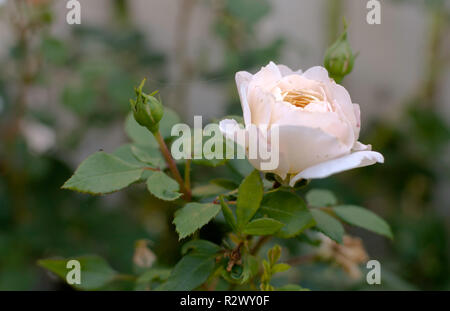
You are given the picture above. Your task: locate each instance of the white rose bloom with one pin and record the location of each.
(317, 121)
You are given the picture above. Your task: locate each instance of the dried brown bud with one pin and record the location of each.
(143, 257)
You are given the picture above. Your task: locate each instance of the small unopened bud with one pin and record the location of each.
(339, 58)
(147, 109)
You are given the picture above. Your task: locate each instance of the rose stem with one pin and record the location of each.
(187, 175)
(172, 166)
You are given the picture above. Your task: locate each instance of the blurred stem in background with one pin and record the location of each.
(26, 22)
(334, 12)
(184, 69)
(121, 12)
(436, 62)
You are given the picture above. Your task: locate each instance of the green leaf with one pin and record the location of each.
(280, 267)
(320, 198)
(95, 271)
(274, 254)
(146, 279)
(193, 216)
(162, 186)
(200, 247)
(240, 167)
(249, 198)
(209, 156)
(169, 119)
(190, 272)
(305, 238)
(153, 274)
(289, 209)
(328, 225)
(225, 183)
(124, 153)
(194, 268)
(262, 226)
(103, 173)
(208, 190)
(139, 134)
(228, 214)
(250, 268)
(149, 155)
(363, 218)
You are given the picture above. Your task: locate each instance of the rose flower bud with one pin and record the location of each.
(147, 110)
(316, 123)
(339, 58)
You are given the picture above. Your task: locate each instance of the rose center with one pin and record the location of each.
(301, 98)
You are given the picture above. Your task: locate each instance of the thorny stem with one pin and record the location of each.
(172, 165)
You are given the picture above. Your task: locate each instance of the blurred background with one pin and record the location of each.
(64, 93)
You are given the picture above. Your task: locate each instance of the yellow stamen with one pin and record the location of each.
(301, 98)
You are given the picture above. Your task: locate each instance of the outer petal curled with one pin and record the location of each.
(344, 163)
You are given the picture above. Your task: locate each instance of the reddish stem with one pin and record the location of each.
(172, 165)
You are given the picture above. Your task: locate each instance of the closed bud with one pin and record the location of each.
(339, 58)
(147, 110)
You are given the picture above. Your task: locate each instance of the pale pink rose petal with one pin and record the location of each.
(317, 73)
(357, 111)
(298, 82)
(286, 71)
(342, 98)
(344, 163)
(243, 79)
(266, 78)
(286, 114)
(337, 92)
(306, 146)
(261, 104)
(230, 128)
(327, 128)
